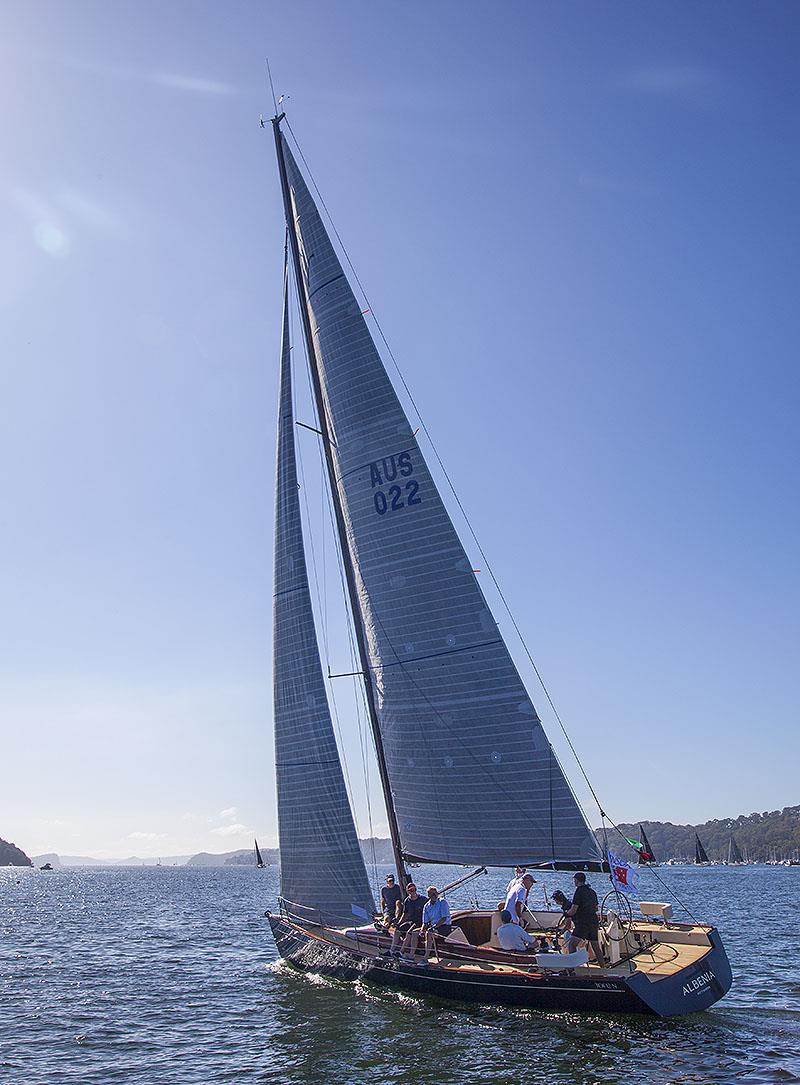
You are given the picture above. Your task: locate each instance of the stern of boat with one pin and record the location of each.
(690, 989)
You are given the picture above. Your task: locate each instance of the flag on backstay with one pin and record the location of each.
(623, 875)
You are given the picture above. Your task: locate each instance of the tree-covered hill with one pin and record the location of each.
(11, 855)
(772, 834)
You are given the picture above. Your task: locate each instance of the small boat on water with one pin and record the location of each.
(734, 854)
(259, 860)
(644, 852)
(700, 855)
(468, 775)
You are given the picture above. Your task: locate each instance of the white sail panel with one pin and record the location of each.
(473, 776)
(321, 863)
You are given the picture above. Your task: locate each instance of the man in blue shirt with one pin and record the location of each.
(435, 921)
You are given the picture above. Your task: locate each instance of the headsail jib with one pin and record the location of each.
(473, 777)
(322, 868)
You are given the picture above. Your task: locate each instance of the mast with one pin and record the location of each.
(352, 590)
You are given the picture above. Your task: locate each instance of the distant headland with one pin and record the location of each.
(769, 836)
(11, 855)
(376, 850)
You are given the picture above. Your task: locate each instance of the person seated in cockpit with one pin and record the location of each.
(512, 937)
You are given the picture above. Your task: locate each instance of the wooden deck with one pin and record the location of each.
(668, 950)
(660, 960)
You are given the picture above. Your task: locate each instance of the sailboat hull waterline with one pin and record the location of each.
(454, 729)
(623, 989)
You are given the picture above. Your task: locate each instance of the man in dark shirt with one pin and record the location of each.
(409, 922)
(391, 896)
(585, 919)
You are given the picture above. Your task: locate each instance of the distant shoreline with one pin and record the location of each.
(771, 836)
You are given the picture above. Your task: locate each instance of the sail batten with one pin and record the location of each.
(473, 776)
(322, 869)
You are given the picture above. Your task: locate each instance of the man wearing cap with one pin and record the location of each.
(409, 922)
(517, 897)
(391, 898)
(435, 920)
(584, 916)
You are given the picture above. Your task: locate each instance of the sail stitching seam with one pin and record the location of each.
(438, 655)
(317, 289)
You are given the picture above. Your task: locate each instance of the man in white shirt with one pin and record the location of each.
(517, 897)
(511, 936)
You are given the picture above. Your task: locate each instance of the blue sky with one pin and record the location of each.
(578, 225)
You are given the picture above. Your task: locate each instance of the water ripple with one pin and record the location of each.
(163, 976)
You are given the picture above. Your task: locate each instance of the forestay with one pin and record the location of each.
(321, 863)
(473, 776)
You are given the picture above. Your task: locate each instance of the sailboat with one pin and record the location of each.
(259, 860)
(700, 856)
(734, 855)
(646, 856)
(467, 772)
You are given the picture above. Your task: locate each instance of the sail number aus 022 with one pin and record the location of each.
(398, 490)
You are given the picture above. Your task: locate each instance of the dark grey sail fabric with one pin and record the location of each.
(473, 776)
(700, 854)
(321, 863)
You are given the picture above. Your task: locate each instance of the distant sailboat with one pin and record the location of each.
(642, 848)
(700, 856)
(734, 855)
(454, 729)
(646, 855)
(259, 860)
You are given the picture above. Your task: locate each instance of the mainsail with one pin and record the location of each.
(472, 774)
(700, 855)
(322, 868)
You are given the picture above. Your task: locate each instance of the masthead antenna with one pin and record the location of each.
(272, 88)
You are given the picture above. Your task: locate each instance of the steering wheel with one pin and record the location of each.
(621, 905)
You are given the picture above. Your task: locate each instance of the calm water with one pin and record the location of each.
(168, 975)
